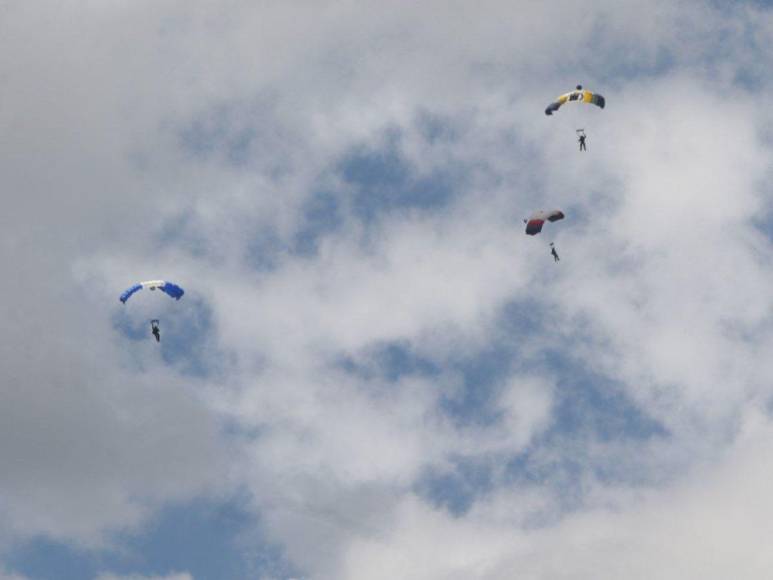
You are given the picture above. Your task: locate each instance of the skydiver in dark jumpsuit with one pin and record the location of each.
(554, 253)
(582, 142)
(155, 330)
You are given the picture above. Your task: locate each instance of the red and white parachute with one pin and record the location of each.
(538, 219)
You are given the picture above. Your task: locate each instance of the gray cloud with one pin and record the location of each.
(189, 140)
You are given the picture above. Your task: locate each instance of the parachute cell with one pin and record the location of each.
(579, 96)
(538, 219)
(169, 288)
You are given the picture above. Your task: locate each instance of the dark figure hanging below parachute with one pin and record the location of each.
(155, 330)
(581, 138)
(554, 253)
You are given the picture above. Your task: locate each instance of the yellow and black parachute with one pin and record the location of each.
(579, 95)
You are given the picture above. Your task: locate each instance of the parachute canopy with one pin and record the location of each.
(172, 290)
(579, 95)
(538, 218)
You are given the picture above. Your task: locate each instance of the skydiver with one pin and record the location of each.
(155, 330)
(554, 253)
(582, 142)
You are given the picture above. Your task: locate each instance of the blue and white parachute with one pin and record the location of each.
(169, 288)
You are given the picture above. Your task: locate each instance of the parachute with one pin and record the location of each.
(538, 218)
(578, 95)
(169, 288)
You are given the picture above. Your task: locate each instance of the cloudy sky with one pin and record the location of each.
(374, 374)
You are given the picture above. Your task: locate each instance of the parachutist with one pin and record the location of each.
(582, 142)
(168, 288)
(554, 253)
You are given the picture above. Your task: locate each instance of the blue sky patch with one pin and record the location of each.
(456, 489)
(187, 333)
(383, 180)
(209, 539)
(321, 215)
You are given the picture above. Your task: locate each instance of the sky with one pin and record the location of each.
(374, 374)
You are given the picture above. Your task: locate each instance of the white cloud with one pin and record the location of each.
(172, 576)
(713, 523)
(165, 139)
(9, 576)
